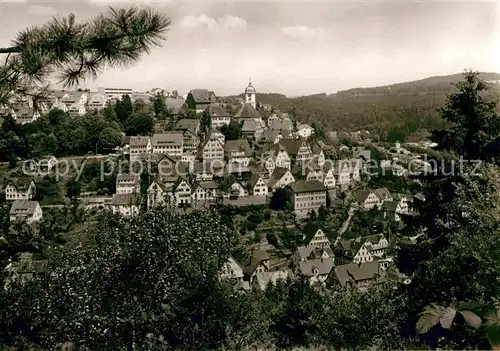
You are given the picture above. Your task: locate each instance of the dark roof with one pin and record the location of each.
(362, 195)
(303, 186)
(238, 145)
(250, 262)
(188, 124)
(383, 193)
(278, 173)
(216, 110)
(323, 266)
(23, 207)
(248, 111)
(354, 272)
(202, 96)
(390, 206)
(21, 183)
(254, 178)
(292, 146)
(123, 199)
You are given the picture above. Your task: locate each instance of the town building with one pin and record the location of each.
(170, 143)
(25, 210)
(127, 183)
(307, 196)
(238, 151)
(199, 99)
(21, 188)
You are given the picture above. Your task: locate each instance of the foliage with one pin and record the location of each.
(281, 200)
(232, 131)
(77, 50)
(474, 122)
(484, 318)
(73, 189)
(124, 108)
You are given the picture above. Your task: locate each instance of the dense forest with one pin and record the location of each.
(398, 112)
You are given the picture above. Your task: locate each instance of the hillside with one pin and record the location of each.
(393, 112)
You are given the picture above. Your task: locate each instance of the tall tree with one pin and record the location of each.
(76, 51)
(124, 108)
(474, 122)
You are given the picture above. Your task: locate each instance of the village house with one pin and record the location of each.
(257, 186)
(234, 190)
(190, 143)
(356, 275)
(252, 263)
(328, 175)
(24, 268)
(160, 193)
(205, 191)
(383, 194)
(186, 124)
(21, 188)
(26, 211)
(238, 151)
(232, 271)
(281, 158)
(273, 136)
(139, 147)
(280, 178)
(26, 115)
(219, 115)
(362, 249)
(355, 170)
(182, 193)
(316, 238)
(200, 99)
(253, 128)
(342, 173)
(299, 151)
(367, 199)
(97, 102)
(405, 202)
(213, 149)
(127, 183)
(218, 135)
(305, 131)
(124, 204)
(307, 196)
(170, 143)
(316, 270)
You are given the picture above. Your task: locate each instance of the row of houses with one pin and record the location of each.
(356, 263)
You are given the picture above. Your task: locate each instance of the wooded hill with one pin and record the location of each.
(394, 112)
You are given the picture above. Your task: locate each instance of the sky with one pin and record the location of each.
(293, 47)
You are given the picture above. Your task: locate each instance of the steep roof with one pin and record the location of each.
(362, 195)
(238, 145)
(303, 186)
(188, 124)
(254, 178)
(390, 206)
(292, 146)
(354, 272)
(278, 173)
(216, 110)
(248, 111)
(24, 207)
(202, 96)
(21, 183)
(383, 193)
(250, 125)
(323, 266)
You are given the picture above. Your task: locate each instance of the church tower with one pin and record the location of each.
(250, 95)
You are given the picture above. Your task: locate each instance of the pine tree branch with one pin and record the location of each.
(11, 50)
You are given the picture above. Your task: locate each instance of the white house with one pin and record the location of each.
(125, 205)
(257, 186)
(205, 191)
(367, 199)
(170, 143)
(20, 189)
(127, 183)
(182, 193)
(317, 238)
(238, 151)
(305, 131)
(213, 149)
(25, 210)
(280, 178)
